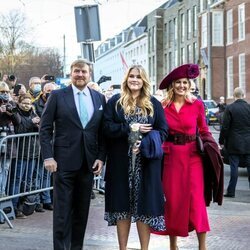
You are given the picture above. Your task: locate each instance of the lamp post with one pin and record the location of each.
(209, 71)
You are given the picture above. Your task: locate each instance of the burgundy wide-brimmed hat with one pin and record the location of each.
(189, 71)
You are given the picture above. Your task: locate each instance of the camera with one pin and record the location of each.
(49, 78)
(11, 78)
(10, 108)
(16, 89)
(3, 133)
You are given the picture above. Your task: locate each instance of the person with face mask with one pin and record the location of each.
(45, 197)
(40, 102)
(35, 88)
(7, 119)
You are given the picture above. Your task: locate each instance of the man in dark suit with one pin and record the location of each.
(235, 134)
(77, 153)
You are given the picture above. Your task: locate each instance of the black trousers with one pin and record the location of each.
(71, 198)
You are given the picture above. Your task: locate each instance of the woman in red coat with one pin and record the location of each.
(183, 183)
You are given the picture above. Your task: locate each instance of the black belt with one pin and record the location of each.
(181, 139)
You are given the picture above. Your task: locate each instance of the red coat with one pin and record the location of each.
(183, 182)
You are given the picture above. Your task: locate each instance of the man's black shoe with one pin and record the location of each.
(19, 214)
(229, 195)
(39, 209)
(48, 206)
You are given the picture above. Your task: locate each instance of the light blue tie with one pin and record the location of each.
(83, 112)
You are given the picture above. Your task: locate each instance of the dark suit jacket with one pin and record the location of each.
(235, 131)
(116, 129)
(72, 142)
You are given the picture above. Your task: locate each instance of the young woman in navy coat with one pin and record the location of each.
(133, 192)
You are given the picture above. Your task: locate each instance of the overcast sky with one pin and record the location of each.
(52, 19)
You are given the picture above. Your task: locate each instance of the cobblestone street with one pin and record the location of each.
(230, 227)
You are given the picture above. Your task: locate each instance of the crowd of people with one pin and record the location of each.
(156, 173)
(20, 112)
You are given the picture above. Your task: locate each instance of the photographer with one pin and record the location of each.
(23, 171)
(7, 120)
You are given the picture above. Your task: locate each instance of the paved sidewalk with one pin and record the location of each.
(230, 227)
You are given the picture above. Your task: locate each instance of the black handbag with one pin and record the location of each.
(200, 145)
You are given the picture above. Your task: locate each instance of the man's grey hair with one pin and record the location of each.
(34, 79)
(239, 93)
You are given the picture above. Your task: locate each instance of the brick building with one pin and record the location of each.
(224, 38)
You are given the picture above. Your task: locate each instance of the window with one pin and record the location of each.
(217, 28)
(230, 82)
(201, 5)
(204, 30)
(153, 66)
(175, 57)
(149, 40)
(166, 63)
(229, 26)
(182, 28)
(149, 67)
(195, 56)
(153, 38)
(189, 28)
(183, 56)
(195, 21)
(171, 32)
(170, 62)
(242, 72)
(189, 53)
(175, 30)
(241, 22)
(166, 34)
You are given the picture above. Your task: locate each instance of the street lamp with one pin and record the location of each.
(209, 76)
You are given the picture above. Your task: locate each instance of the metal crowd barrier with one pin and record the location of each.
(22, 172)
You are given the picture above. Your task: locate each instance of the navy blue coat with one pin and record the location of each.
(116, 130)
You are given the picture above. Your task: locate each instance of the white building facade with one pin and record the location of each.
(115, 55)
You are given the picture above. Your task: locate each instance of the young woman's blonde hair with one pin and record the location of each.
(169, 97)
(143, 101)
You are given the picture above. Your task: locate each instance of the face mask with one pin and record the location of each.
(37, 88)
(4, 97)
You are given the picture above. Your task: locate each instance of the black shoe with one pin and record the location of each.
(48, 206)
(19, 215)
(39, 208)
(92, 195)
(229, 195)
